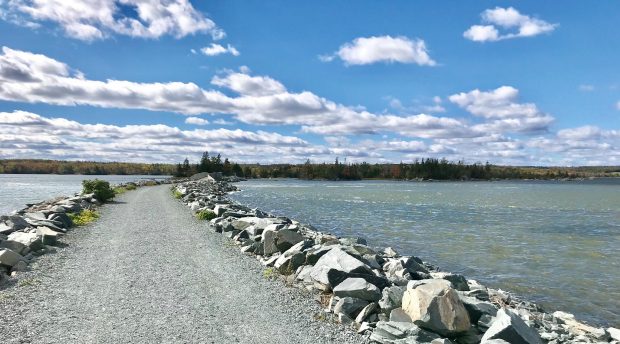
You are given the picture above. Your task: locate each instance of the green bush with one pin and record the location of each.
(119, 190)
(131, 186)
(206, 215)
(100, 188)
(84, 217)
(177, 194)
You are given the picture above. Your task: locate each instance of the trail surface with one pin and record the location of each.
(148, 272)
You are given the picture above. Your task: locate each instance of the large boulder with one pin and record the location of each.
(9, 257)
(286, 239)
(392, 332)
(435, 305)
(477, 308)
(339, 260)
(269, 242)
(510, 327)
(458, 281)
(358, 288)
(61, 217)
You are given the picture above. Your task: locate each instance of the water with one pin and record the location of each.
(18, 189)
(556, 243)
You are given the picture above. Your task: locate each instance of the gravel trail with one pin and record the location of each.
(148, 272)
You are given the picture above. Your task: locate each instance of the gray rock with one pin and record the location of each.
(392, 297)
(390, 332)
(441, 341)
(353, 241)
(390, 252)
(313, 255)
(511, 328)
(339, 260)
(458, 281)
(48, 236)
(220, 209)
(269, 242)
(614, 333)
(15, 246)
(293, 258)
(399, 315)
(61, 217)
(476, 308)
(349, 306)
(435, 305)
(358, 288)
(366, 312)
(9, 257)
(285, 239)
(30, 240)
(12, 223)
(20, 266)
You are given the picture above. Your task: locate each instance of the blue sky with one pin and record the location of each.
(524, 83)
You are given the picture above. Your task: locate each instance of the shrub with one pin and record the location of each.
(84, 217)
(270, 273)
(206, 215)
(131, 186)
(119, 190)
(100, 188)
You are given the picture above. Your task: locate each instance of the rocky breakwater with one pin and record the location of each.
(37, 229)
(387, 296)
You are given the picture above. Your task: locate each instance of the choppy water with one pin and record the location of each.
(18, 189)
(557, 243)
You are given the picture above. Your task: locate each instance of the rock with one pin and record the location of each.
(269, 242)
(336, 277)
(476, 308)
(339, 260)
(9, 257)
(389, 332)
(285, 239)
(366, 312)
(313, 255)
(30, 240)
(435, 305)
(614, 333)
(293, 258)
(390, 252)
(441, 341)
(358, 288)
(12, 223)
(220, 209)
(349, 306)
(511, 328)
(458, 281)
(61, 217)
(20, 266)
(397, 314)
(353, 241)
(48, 236)
(392, 297)
(579, 328)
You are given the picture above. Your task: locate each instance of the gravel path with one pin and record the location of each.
(148, 272)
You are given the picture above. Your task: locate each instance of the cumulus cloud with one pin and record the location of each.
(196, 121)
(510, 20)
(503, 112)
(245, 84)
(388, 49)
(90, 20)
(216, 49)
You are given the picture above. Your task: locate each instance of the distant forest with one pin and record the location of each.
(423, 169)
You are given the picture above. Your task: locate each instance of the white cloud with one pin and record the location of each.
(89, 20)
(503, 112)
(196, 121)
(519, 25)
(369, 50)
(586, 88)
(618, 105)
(245, 84)
(217, 49)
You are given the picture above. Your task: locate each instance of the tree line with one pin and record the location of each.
(36, 166)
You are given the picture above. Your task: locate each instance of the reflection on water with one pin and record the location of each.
(555, 242)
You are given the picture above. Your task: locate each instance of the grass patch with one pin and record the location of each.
(119, 190)
(206, 215)
(270, 273)
(84, 217)
(130, 187)
(177, 194)
(27, 282)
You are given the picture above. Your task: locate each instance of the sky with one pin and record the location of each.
(511, 83)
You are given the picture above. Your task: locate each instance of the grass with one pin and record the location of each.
(206, 215)
(270, 273)
(130, 187)
(119, 190)
(84, 217)
(177, 194)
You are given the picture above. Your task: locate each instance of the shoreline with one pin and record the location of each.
(558, 327)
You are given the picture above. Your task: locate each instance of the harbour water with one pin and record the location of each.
(556, 243)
